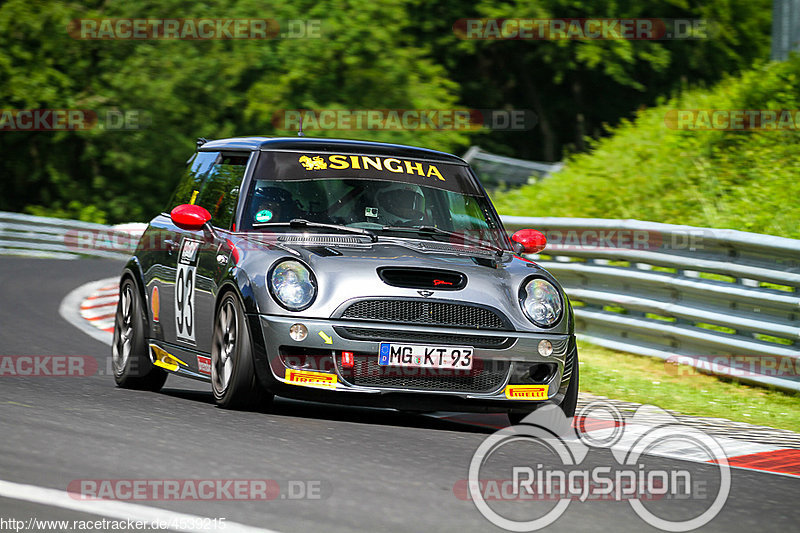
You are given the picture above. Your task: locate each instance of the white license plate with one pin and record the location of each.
(423, 356)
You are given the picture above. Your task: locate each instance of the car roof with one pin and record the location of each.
(312, 144)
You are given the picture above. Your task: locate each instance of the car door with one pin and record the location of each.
(197, 267)
(160, 248)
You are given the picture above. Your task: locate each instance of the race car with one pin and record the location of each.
(343, 271)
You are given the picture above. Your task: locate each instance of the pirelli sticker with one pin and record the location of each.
(307, 378)
(526, 392)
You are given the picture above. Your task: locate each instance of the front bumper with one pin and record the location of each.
(501, 358)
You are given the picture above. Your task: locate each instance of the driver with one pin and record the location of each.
(401, 204)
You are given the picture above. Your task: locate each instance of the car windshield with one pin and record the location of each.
(384, 195)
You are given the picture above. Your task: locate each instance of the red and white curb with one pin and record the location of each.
(100, 306)
(743, 452)
(91, 308)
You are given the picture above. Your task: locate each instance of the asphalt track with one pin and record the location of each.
(378, 470)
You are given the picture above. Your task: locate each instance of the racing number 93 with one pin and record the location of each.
(184, 290)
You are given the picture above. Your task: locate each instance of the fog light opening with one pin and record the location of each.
(540, 373)
(545, 348)
(298, 332)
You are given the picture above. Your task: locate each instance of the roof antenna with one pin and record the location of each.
(300, 131)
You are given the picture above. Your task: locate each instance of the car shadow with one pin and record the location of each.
(444, 421)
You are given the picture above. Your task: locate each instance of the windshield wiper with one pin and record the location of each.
(438, 231)
(303, 223)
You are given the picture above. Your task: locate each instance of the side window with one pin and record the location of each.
(220, 191)
(212, 180)
(192, 180)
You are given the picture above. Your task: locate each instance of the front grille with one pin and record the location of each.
(426, 313)
(483, 378)
(389, 335)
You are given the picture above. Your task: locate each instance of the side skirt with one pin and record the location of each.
(180, 361)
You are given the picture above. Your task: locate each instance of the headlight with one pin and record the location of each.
(292, 285)
(541, 302)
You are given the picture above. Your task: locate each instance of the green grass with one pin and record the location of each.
(745, 180)
(652, 381)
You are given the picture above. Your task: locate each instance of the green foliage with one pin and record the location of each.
(188, 89)
(744, 180)
(576, 87)
(392, 54)
(74, 210)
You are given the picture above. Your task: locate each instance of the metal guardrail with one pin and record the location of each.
(494, 170)
(723, 301)
(63, 239)
(785, 28)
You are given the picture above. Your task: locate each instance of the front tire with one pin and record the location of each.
(129, 352)
(233, 378)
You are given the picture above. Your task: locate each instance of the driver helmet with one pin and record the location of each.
(401, 204)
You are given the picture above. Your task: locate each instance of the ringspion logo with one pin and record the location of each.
(513, 475)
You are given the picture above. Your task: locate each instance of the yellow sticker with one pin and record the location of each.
(526, 392)
(325, 337)
(313, 163)
(164, 359)
(362, 162)
(308, 378)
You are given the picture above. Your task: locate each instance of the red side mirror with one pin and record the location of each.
(190, 217)
(530, 240)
